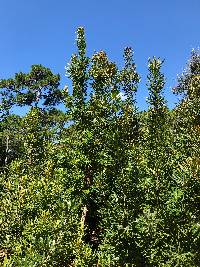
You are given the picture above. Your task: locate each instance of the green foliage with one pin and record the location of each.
(39, 86)
(99, 184)
(188, 82)
(10, 139)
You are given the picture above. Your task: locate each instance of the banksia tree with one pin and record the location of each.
(77, 71)
(189, 88)
(153, 169)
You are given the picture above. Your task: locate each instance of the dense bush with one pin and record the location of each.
(100, 183)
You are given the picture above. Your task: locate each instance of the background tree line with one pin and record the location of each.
(100, 183)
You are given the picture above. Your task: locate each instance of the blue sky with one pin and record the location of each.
(43, 32)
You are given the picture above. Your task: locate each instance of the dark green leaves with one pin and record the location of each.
(38, 87)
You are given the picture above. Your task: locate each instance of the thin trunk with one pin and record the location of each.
(7, 149)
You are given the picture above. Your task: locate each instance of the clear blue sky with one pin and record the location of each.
(43, 32)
